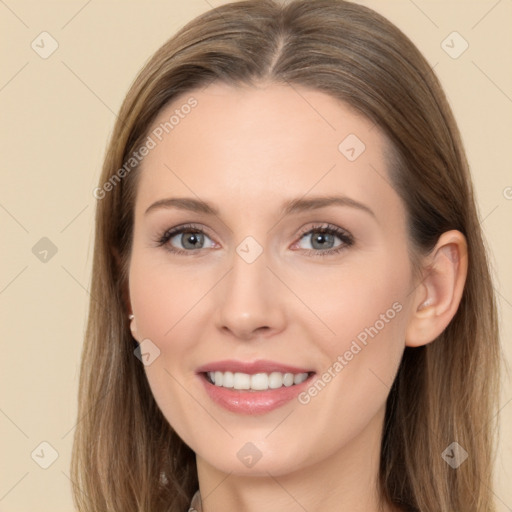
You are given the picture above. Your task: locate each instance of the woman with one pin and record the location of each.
(291, 303)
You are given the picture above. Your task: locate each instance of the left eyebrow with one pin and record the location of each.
(314, 203)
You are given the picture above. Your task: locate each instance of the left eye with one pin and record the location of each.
(325, 239)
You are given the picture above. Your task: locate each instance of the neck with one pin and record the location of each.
(346, 481)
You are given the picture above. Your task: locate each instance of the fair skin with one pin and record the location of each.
(247, 151)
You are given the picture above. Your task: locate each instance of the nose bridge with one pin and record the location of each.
(249, 298)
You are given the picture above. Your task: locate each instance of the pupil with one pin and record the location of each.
(321, 239)
(192, 240)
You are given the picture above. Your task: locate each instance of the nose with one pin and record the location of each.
(250, 300)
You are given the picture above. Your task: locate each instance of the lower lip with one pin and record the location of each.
(252, 402)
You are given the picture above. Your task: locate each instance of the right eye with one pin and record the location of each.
(184, 239)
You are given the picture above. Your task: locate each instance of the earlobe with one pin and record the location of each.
(438, 296)
(133, 326)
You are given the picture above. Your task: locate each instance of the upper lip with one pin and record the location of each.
(250, 367)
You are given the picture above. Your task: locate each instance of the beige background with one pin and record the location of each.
(57, 114)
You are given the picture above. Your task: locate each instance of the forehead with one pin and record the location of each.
(271, 142)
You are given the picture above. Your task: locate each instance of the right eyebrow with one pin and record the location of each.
(184, 203)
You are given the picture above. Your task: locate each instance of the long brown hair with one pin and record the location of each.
(126, 457)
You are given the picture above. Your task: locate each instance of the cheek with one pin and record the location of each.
(365, 310)
(168, 306)
(360, 296)
(163, 296)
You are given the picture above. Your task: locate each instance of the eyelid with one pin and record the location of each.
(188, 226)
(326, 226)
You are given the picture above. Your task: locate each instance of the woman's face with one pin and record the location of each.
(292, 259)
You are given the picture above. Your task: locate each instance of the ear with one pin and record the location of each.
(437, 297)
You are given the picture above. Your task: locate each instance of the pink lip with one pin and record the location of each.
(250, 402)
(251, 368)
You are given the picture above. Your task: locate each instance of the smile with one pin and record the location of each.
(257, 381)
(251, 388)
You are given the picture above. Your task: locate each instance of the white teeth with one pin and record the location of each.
(288, 379)
(275, 380)
(241, 381)
(300, 377)
(257, 381)
(228, 380)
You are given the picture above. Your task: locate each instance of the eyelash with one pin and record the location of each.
(330, 229)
